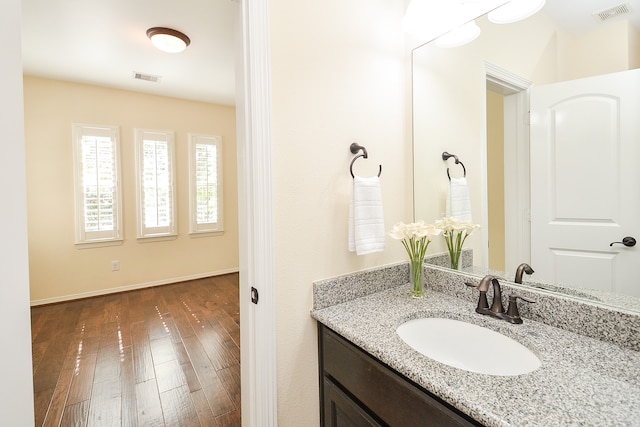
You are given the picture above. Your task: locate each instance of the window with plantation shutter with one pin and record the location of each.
(156, 183)
(205, 192)
(96, 157)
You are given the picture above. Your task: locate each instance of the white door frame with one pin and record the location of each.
(516, 164)
(255, 219)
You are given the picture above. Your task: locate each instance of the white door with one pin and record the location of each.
(585, 181)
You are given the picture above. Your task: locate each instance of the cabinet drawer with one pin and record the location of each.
(389, 395)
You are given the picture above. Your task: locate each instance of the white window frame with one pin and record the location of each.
(195, 227)
(144, 230)
(84, 237)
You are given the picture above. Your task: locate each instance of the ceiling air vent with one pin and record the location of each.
(612, 12)
(146, 77)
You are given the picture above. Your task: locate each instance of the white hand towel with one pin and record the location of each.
(366, 219)
(458, 201)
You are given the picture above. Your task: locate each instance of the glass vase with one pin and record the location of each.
(416, 278)
(454, 256)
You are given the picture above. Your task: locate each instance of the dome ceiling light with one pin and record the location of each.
(168, 40)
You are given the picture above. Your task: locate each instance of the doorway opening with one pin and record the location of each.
(507, 169)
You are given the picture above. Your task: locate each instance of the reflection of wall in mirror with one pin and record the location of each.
(495, 180)
(449, 99)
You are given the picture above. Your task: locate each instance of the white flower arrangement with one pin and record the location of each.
(415, 237)
(455, 232)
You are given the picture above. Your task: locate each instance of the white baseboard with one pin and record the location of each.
(131, 287)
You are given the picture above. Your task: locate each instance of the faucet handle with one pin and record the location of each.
(513, 315)
(483, 304)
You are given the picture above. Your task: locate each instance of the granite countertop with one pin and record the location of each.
(582, 381)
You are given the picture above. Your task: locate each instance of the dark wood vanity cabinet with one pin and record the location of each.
(358, 390)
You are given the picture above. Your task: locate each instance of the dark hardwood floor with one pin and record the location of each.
(162, 356)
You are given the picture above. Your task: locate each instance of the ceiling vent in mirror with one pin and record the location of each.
(612, 12)
(146, 77)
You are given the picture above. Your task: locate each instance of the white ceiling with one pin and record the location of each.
(105, 43)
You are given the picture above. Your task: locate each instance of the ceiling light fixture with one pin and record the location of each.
(515, 10)
(168, 40)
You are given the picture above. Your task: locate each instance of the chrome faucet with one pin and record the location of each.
(522, 268)
(512, 315)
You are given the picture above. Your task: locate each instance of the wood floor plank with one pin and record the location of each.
(70, 316)
(156, 323)
(178, 408)
(82, 380)
(37, 353)
(58, 400)
(232, 328)
(105, 407)
(108, 363)
(111, 308)
(135, 300)
(53, 317)
(41, 402)
(148, 404)
(212, 340)
(38, 321)
(181, 353)
(75, 415)
(192, 378)
(230, 378)
(80, 346)
(217, 396)
(128, 404)
(48, 371)
(181, 320)
(162, 350)
(200, 403)
(230, 419)
(169, 375)
(142, 359)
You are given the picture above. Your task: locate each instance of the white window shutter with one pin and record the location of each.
(97, 183)
(205, 189)
(156, 183)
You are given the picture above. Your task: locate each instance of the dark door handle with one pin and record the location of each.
(627, 241)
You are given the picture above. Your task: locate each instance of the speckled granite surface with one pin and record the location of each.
(610, 324)
(339, 289)
(582, 381)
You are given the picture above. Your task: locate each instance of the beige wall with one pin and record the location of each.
(634, 48)
(58, 269)
(339, 75)
(607, 50)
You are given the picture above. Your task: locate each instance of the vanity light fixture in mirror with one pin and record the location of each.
(429, 19)
(459, 36)
(515, 10)
(452, 24)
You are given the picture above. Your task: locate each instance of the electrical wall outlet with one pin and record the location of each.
(115, 265)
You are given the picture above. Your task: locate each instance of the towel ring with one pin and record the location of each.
(446, 156)
(355, 147)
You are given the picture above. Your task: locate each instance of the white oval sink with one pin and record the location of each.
(467, 346)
